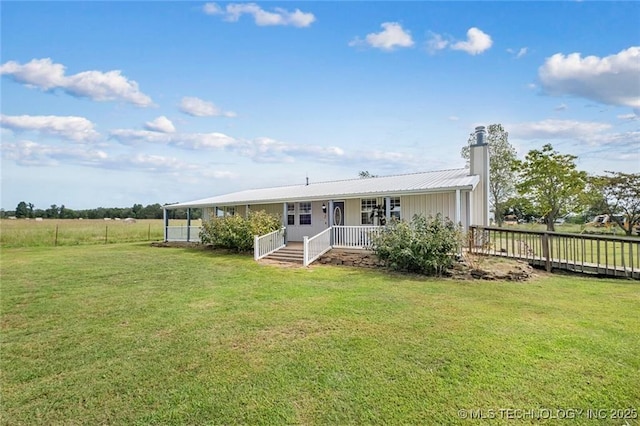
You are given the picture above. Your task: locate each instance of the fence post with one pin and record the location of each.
(55, 242)
(545, 251)
(256, 251)
(305, 251)
(106, 232)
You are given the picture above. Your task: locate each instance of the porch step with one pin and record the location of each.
(287, 254)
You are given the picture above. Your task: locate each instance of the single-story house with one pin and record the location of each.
(349, 206)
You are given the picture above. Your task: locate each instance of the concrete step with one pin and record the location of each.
(287, 254)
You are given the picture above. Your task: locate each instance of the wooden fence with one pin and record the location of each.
(593, 254)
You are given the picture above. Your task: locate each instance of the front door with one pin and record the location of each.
(338, 213)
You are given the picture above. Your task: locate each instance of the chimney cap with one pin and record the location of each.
(480, 133)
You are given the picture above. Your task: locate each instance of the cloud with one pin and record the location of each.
(436, 42)
(199, 108)
(95, 85)
(629, 117)
(520, 53)
(29, 153)
(391, 37)
(33, 154)
(611, 80)
(477, 42)
(561, 107)
(161, 124)
(233, 11)
(77, 129)
(181, 140)
(557, 129)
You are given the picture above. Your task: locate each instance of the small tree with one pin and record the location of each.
(502, 175)
(620, 198)
(552, 182)
(425, 246)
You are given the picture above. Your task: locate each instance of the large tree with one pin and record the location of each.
(620, 198)
(22, 210)
(551, 181)
(502, 175)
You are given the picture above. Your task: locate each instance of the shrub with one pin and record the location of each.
(426, 245)
(236, 232)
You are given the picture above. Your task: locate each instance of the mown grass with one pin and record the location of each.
(129, 334)
(65, 232)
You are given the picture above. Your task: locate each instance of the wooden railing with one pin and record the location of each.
(602, 255)
(266, 244)
(353, 236)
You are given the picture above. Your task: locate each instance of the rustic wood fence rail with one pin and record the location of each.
(593, 254)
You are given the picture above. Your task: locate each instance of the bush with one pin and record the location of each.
(236, 232)
(425, 246)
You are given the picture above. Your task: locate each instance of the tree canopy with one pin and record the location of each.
(551, 181)
(619, 197)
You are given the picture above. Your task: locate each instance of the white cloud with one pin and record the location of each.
(95, 85)
(180, 140)
(391, 37)
(77, 129)
(199, 108)
(29, 153)
(520, 53)
(557, 129)
(161, 124)
(561, 107)
(233, 11)
(477, 42)
(611, 80)
(436, 42)
(629, 117)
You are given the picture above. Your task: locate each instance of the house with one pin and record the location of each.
(345, 209)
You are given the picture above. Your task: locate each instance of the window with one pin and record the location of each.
(305, 213)
(230, 211)
(291, 214)
(367, 207)
(395, 207)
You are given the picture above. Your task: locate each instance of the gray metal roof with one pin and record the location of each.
(414, 183)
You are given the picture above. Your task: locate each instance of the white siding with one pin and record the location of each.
(318, 223)
(429, 205)
(352, 212)
(274, 209)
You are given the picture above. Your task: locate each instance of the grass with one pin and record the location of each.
(130, 334)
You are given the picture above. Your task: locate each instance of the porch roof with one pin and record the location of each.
(414, 183)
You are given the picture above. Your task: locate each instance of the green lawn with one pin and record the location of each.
(129, 334)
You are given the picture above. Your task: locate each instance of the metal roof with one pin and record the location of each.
(414, 183)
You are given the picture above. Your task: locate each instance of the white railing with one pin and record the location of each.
(354, 236)
(183, 233)
(316, 246)
(267, 244)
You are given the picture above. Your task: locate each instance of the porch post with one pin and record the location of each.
(188, 224)
(330, 221)
(165, 220)
(457, 207)
(285, 219)
(246, 211)
(387, 213)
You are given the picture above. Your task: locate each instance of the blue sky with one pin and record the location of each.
(115, 103)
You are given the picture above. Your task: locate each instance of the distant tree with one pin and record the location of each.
(551, 182)
(53, 212)
(22, 210)
(31, 206)
(364, 174)
(502, 174)
(619, 198)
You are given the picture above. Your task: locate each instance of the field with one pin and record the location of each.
(63, 232)
(130, 334)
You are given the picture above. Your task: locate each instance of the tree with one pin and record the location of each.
(620, 198)
(551, 182)
(502, 174)
(22, 210)
(364, 174)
